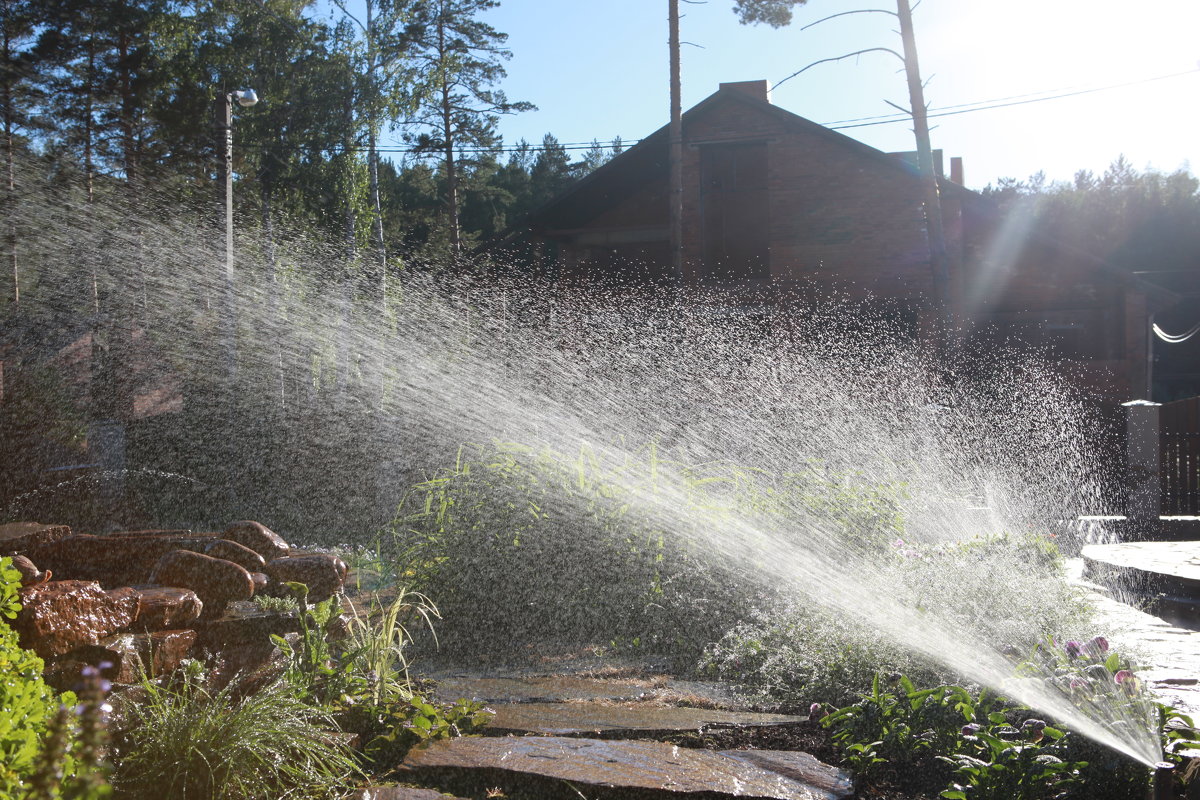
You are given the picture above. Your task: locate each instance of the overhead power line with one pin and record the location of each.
(837, 125)
(1004, 102)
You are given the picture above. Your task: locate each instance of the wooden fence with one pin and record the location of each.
(1179, 449)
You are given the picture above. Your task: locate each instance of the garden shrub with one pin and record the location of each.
(800, 654)
(529, 545)
(1007, 590)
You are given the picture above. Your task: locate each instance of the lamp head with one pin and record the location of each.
(246, 97)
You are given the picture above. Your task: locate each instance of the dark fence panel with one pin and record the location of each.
(1179, 442)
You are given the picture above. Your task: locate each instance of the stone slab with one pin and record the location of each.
(1179, 561)
(244, 623)
(400, 793)
(617, 721)
(542, 689)
(111, 560)
(1169, 655)
(20, 537)
(652, 769)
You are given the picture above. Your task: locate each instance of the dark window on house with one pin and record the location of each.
(733, 207)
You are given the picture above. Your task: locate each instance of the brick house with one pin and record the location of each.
(772, 200)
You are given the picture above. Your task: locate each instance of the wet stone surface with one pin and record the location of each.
(561, 688)
(1178, 561)
(400, 793)
(165, 607)
(257, 537)
(1170, 655)
(239, 554)
(128, 654)
(622, 721)
(111, 560)
(322, 573)
(244, 623)
(653, 769)
(60, 616)
(215, 581)
(20, 537)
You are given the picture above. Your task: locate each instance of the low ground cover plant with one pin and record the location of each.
(971, 744)
(1005, 589)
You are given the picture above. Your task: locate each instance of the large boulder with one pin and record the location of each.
(121, 560)
(129, 656)
(167, 607)
(237, 553)
(60, 616)
(215, 581)
(322, 573)
(257, 537)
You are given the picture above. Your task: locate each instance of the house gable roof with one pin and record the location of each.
(647, 160)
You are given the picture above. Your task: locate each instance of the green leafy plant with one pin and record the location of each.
(316, 667)
(36, 737)
(183, 741)
(398, 726)
(897, 725)
(1013, 764)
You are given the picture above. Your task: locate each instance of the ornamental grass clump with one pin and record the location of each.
(188, 743)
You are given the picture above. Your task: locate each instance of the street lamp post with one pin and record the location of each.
(224, 125)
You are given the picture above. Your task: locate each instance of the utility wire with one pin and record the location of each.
(837, 125)
(946, 111)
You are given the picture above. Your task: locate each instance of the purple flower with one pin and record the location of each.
(1096, 646)
(817, 711)
(1127, 681)
(969, 730)
(1073, 647)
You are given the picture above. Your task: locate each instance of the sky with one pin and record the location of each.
(597, 70)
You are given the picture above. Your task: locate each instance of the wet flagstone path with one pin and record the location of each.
(651, 769)
(555, 735)
(1170, 655)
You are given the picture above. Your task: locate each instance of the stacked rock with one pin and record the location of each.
(145, 596)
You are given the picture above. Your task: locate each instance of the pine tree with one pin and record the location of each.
(457, 108)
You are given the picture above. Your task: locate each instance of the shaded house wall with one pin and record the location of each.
(773, 200)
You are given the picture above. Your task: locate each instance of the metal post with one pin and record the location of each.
(1144, 502)
(227, 311)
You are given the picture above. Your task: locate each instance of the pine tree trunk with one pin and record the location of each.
(373, 153)
(448, 144)
(376, 208)
(10, 237)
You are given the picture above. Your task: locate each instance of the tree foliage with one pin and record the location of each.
(775, 13)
